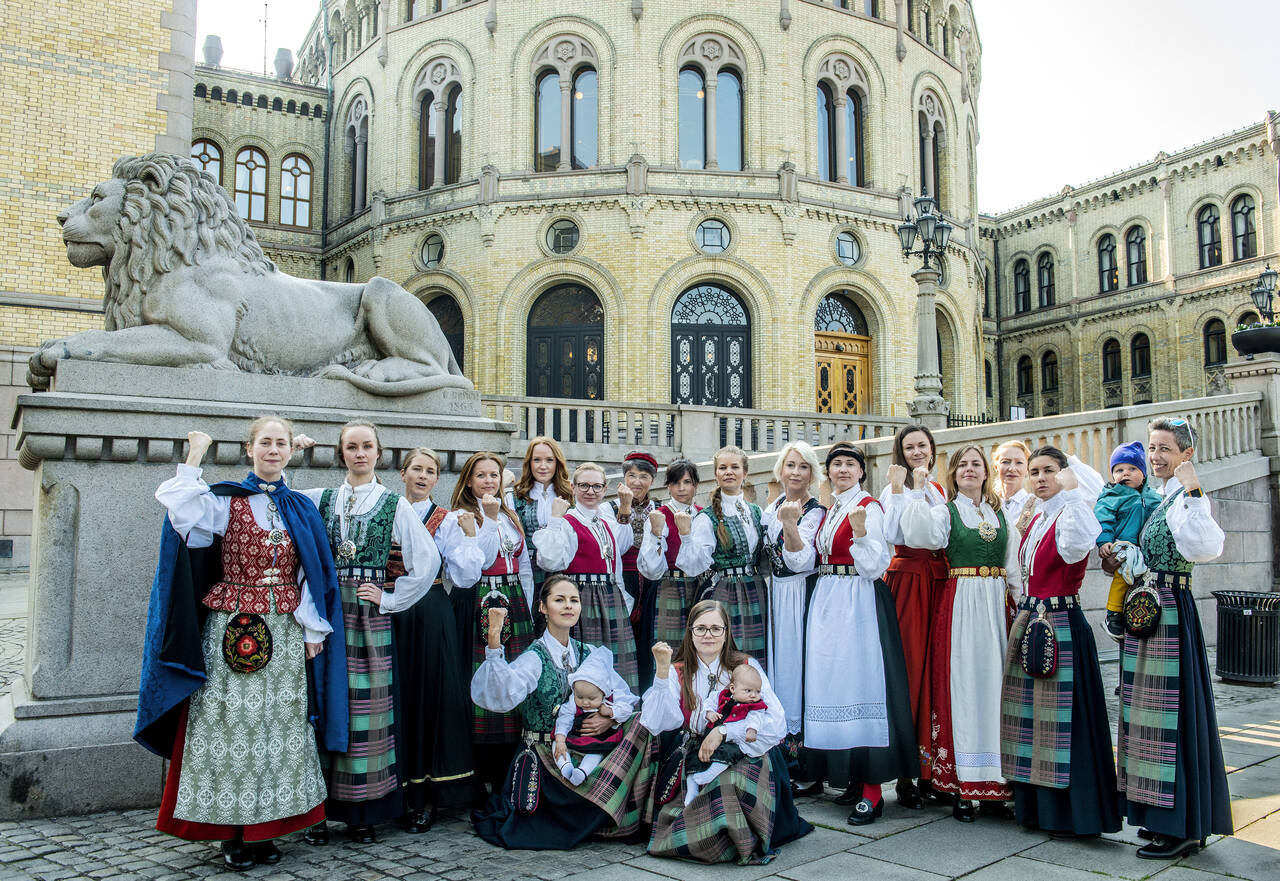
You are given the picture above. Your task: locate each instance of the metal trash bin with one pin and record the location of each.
(1248, 636)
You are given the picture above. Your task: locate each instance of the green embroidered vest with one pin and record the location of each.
(527, 511)
(738, 553)
(1158, 547)
(540, 708)
(371, 531)
(967, 548)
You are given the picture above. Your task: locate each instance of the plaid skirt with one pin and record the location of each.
(743, 591)
(605, 622)
(621, 783)
(674, 597)
(1035, 713)
(486, 726)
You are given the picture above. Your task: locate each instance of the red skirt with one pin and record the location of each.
(916, 578)
(167, 822)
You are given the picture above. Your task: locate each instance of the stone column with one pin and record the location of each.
(899, 16)
(926, 166)
(709, 88)
(437, 110)
(178, 64)
(928, 408)
(1072, 250)
(842, 138)
(566, 121)
(1166, 233)
(962, 36)
(361, 171)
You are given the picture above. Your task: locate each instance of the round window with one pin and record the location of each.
(562, 236)
(433, 251)
(713, 236)
(848, 251)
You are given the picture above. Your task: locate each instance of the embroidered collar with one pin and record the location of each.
(538, 490)
(564, 657)
(586, 515)
(679, 507)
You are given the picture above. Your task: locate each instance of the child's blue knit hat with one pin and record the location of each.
(1132, 453)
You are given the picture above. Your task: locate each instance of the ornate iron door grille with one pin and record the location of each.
(710, 349)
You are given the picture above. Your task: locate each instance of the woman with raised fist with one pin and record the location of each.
(675, 591)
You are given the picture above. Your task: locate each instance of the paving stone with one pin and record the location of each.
(844, 866)
(1257, 860)
(824, 811)
(815, 845)
(1116, 859)
(1021, 867)
(950, 848)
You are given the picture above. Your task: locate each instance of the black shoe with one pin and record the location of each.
(995, 810)
(929, 794)
(1165, 848)
(1146, 834)
(361, 834)
(317, 835)
(963, 811)
(265, 853)
(1115, 625)
(908, 795)
(849, 796)
(812, 790)
(237, 856)
(1064, 835)
(417, 822)
(864, 813)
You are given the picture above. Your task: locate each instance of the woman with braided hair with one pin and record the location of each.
(724, 539)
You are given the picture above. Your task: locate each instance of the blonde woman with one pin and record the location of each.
(1009, 481)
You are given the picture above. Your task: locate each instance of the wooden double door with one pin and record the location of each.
(843, 373)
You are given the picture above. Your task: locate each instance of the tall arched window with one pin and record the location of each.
(853, 123)
(452, 134)
(1108, 272)
(295, 191)
(710, 348)
(1021, 287)
(711, 104)
(438, 97)
(1044, 279)
(826, 133)
(1135, 246)
(986, 385)
(357, 151)
(251, 184)
(1111, 360)
(1049, 372)
(1209, 236)
(1026, 377)
(1140, 356)
(1215, 343)
(208, 156)
(1244, 238)
(566, 105)
(932, 134)
(449, 317)
(841, 87)
(349, 271)
(566, 344)
(427, 139)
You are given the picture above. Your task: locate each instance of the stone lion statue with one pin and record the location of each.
(188, 286)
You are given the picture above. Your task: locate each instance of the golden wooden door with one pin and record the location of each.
(843, 373)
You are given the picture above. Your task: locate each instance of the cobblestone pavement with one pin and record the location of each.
(902, 846)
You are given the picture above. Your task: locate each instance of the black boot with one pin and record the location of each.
(317, 835)
(1162, 847)
(929, 794)
(995, 810)
(417, 822)
(361, 834)
(963, 810)
(265, 853)
(908, 795)
(236, 856)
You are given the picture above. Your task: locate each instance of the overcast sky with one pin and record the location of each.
(1071, 91)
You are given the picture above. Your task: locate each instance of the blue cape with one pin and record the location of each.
(172, 660)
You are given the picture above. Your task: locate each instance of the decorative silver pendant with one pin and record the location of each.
(986, 531)
(347, 550)
(275, 537)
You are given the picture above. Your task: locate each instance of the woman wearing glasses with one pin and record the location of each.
(587, 543)
(733, 817)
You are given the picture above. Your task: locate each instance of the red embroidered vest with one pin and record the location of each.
(246, 557)
(842, 542)
(501, 565)
(588, 559)
(1050, 575)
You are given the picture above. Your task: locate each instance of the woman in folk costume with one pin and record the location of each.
(1171, 778)
(537, 809)
(916, 577)
(675, 591)
(970, 628)
(364, 519)
(487, 561)
(544, 477)
(243, 599)
(638, 471)
(587, 543)
(1010, 462)
(1055, 745)
(724, 539)
(746, 813)
(856, 695)
(790, 523)
(436, 754)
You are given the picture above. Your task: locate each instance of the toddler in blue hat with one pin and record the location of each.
(1122, 508)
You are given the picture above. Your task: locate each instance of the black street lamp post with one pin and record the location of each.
(929, 407)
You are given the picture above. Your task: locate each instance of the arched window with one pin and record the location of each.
(1025, 377)
(201, 90)
(566, 344)
(426, 141)
(566, 105)
(586, 123)
(277, 104)
(251, 184)
(215, 94)
(932, 142)
(1140, 356)
(295, 191)
(1049, 372)
(1044, 279)
(291, 107)
(1209, 236)
(1108, 272)
(1244, 239)
(826, 133)
(837, 313)
(1215, 343)
(841, 85)
(1135, 246)
(546, 123)
(357, 151)
(1248, 319)
(711, 104)
(437, 94)
(853, 123)
(453, 135)
(208, 156)
(1111, 360)
(262, 102)
(986, 366)
(1021, 287)
(449, 317)
(349, 271)
(710, 348)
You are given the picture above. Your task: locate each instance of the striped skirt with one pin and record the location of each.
(605, 622)
(486, 726)
(743, 591)
(673, 598)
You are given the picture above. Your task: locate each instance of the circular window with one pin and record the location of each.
(848, 251)
(713, 236)
(562, 236)
(433, 250)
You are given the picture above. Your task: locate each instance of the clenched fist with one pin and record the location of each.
(684, 522)
(199, 443)
(625, 497)
(858, 522)
(920, 478)
(1067, 479)
(661, 659)
(1186, 474)
(497, 614)
(467, 523)
(789, 513)
(491, 505)
(896, 477)
(656, 522)
(559, 507)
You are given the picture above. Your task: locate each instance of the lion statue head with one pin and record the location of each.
(155, 213)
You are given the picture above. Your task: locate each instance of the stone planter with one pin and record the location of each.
(1256, 340)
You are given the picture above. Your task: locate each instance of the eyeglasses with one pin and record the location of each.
(713, 630)
(590, 487)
